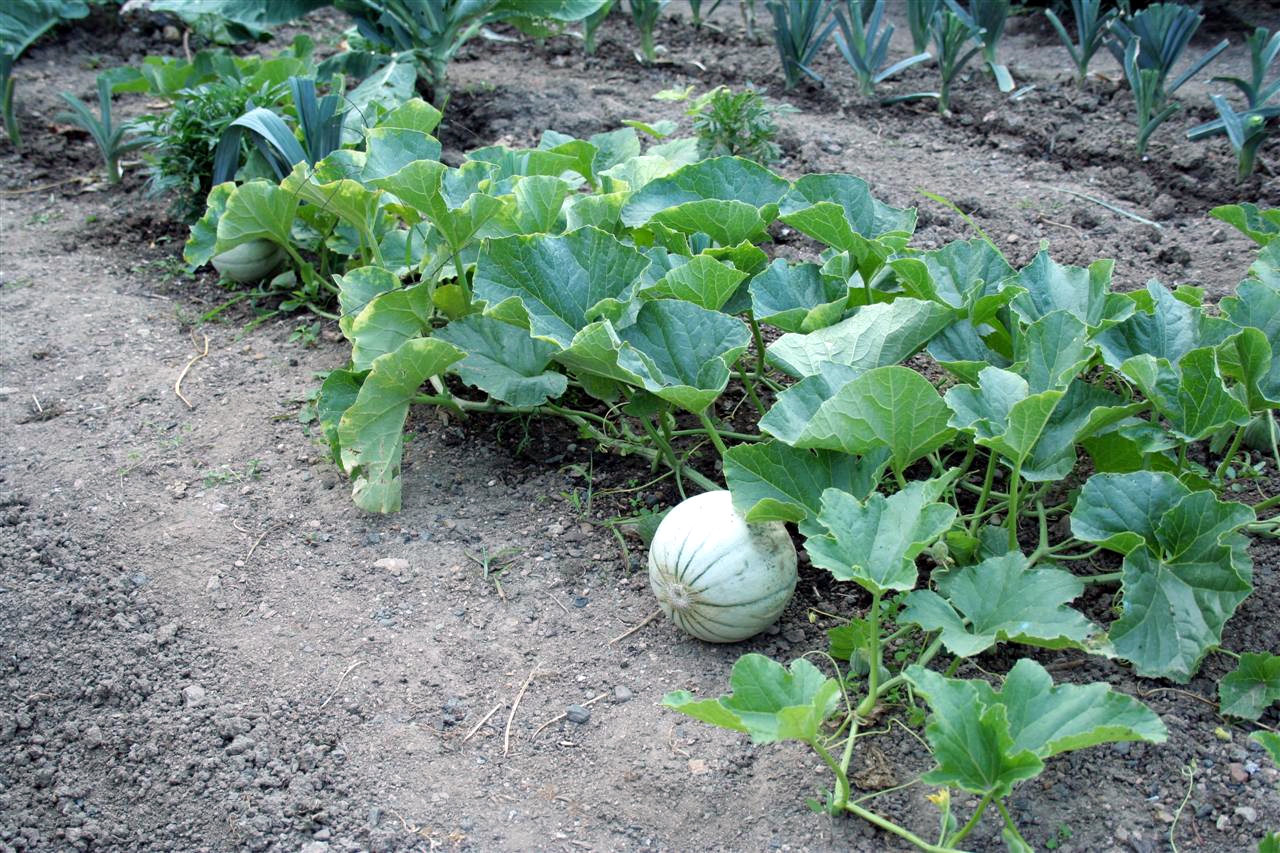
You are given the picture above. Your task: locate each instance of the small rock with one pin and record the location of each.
(793, 635)
(577, 714)
(193, 695)
(1238, 773)
(92, 737)
(166, 633)
(1249, 813)
(241, 744)
(395, 565)
(171, 33)
(621, 694)
(314, 847)
(698, 767)
(1223, 823)
(214, 584)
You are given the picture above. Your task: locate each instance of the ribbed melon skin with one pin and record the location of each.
(249, 263)
(716, 576)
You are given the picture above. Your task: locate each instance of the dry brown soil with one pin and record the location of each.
(205, 646)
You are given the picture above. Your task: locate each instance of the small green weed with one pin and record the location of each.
(742, 124)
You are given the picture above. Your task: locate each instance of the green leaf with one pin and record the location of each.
(970, 739)
(1270, 842)
(390, 149)
(383, 90)
(1250, 359)
(504, 361)
(1001, 412)
(1085, 293)
(1252, 687)
(875, 543)
(258, 210)
(892, 407)
(337, 394)
(372, 429)
(1049, 720)
(1185, 571)
(1000, 600)
(201, 245)
(554, 286)
(839, 210)
(1052, 351)
(386, 322)
(876, 336)
(536, 207)
(704, 281)
(452, 200)
(349, 200)
(1083, 412)
(954, 274)
(682, 352)
(773, 482)
(1270, 742)
(1256, 304)
(1260, 226)
(358, 288)
(1168, 330)
(797, 297)
(1191, 395)
(769, 702)
(727, 198)
(986, 741)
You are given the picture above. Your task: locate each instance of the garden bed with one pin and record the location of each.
(207, 646)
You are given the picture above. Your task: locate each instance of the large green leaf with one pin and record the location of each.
(1085, 411)
(390, 149)
(386, 322)
(769, 702)
(839, 210)
(1002, 413)
(876, 336)
(371, 431)
(1259, 225)
(954, 274)
(682, 352)
(23, 22)
(258, 210)
(969, 738)
(1271, 743)
(892, 407)
(1191, 395)
(454, 201)
(1186, 568)
(1049, 720)
(536, 207)
(985, 740)
(1085, 293)
(727, 198)
(704, 281)
(1000, 600)
(349, 200)
(1052, 351)
(229, 21)
(1256, 304)
(773, 482)
(1251, 360)
(1252, 687)
(555, 285)
(1169, 330)
(200, 246)
(358, 288)
(875, 542)
(504, 361)
(797, 297)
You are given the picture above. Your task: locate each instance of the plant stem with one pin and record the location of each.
(1109, 577)
(1008, 821)
(713, 433)
(1013, 505)
(973, 821)
(1270, 502)
(982, 496)
(867, 705)
(462, 276)
(890, 826)
(1042, 547)
(1221, 473)
(757, 340)
(733, 436)
(750, 388)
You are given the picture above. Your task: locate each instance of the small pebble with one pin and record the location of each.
(577, 714)
(621, 694)
(1249, 813)
(193, 695)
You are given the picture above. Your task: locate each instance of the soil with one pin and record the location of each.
(206, 646)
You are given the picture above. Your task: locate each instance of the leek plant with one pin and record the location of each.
(695, 10)
(1263, 49)
(109, 136)
(919, 19)
(1148, 45)
(986, 19)
(1248, 129)
(320, 120)
(1091, 29)
(800, 31)
(864, 44)
(645, 14)
(591, 24)
(1246, 132)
